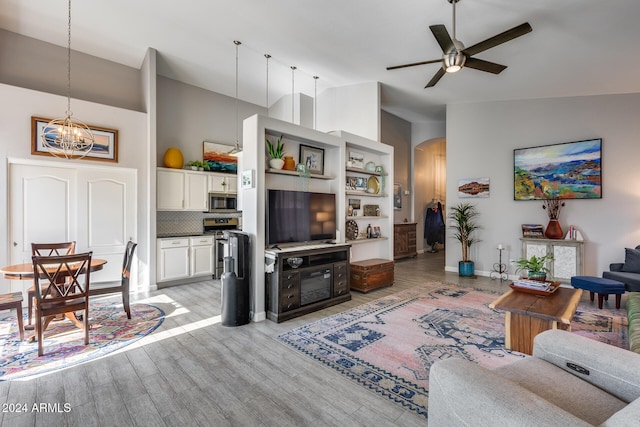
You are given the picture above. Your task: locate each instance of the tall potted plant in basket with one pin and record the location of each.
(464, 225)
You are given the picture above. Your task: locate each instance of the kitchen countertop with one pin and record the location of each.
(174, 235)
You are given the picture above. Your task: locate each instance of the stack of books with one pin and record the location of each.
(533, 284)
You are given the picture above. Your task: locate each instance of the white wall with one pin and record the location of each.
(354, 109)
(15, 141)
(480, 142)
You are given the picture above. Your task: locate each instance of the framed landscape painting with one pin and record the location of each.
(570, 170)
(105, 145)
(219, 158)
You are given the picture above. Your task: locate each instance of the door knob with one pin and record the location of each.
(15, 244)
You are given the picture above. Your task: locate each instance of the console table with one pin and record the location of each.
(322, 280)
(568, 256)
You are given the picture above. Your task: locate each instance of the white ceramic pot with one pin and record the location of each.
(276, 163)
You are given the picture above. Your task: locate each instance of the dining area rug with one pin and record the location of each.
(388, 345)
(64, 343)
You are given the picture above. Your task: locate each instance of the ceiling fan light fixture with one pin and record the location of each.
(453, 61)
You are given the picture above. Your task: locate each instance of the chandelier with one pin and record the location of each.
(68, 137)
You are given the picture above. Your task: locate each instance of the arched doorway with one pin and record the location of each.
(429, 177)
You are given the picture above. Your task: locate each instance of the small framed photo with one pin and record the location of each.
(354, 203)
(313, 157)
(105, 145)
(356, 160)
(247, 179)
(535, 231)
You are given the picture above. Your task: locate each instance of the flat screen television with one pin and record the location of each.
(300, 217)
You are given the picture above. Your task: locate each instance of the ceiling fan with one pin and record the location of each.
(455, 55)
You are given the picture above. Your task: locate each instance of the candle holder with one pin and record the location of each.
(499, 268)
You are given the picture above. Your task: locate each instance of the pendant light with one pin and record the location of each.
(293, 85)
(267, 56)
(315, 104)
(236, 149)
(69, 138)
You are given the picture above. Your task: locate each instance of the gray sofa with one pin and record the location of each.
(627, 272)
(569, 381)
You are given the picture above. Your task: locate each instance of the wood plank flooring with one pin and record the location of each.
(194, 372)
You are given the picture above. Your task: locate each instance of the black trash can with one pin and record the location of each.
(235, 283)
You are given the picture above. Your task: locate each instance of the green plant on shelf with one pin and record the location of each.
(199, 165)
(276, 151)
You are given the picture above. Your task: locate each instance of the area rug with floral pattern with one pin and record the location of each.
(64, 343)
(388, 345)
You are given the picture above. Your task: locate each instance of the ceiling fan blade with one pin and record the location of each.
(504, 37)
(482, 65)
(436, 78)
(442, 37)
(395, 67)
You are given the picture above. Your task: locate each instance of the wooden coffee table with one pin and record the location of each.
(526, 315)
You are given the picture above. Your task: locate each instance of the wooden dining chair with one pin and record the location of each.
(61, 287)
(123, 285)
(46, 249)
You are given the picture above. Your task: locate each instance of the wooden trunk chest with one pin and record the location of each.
(371, 274)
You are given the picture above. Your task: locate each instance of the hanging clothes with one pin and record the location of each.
(434, 225)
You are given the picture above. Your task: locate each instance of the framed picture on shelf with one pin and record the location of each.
(376, 231)
(313, 158)
(356, 160)
(354, 203)
(535, 231)
(356, 183)
(105, 146)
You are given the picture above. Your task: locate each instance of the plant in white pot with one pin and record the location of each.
(276, 152)
(463, 222)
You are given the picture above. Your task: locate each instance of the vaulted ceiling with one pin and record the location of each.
(577, 47)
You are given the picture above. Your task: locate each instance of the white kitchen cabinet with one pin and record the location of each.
(222, 183)
(173, 259)
(201, 251)
(185, 257)
(180, 190)
(196, 192)
(567, 256)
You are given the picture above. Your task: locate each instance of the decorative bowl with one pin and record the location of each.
(294, 262)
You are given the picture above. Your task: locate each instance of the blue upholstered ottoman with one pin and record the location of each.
(603, 287)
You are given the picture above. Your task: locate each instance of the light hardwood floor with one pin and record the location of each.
(194, 372)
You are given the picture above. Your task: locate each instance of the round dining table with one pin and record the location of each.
(25, 271)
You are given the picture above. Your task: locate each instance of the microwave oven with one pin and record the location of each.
(223, 202)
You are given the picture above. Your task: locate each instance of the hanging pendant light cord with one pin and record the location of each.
(266, 55)
(293, 70)
(237, 43)
(69, 113)
(315, 103)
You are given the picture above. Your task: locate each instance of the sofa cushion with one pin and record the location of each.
(631, 280)
(563, 389)
(631, 260)
(633, 318)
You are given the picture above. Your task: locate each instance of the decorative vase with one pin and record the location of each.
(276, 163)
(553, 231)
(466, 268)
(173, 158)
(289, 163)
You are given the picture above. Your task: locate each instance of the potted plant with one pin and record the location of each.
(463, 217)
(276, 152)
(536, 267)
(198, 165)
